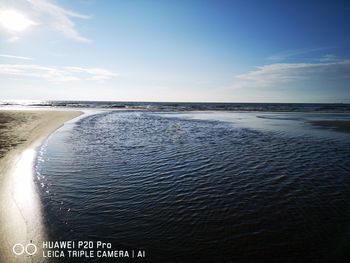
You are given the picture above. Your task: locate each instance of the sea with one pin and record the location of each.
(183, 106)
(199, 182)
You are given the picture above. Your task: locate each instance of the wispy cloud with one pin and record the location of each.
(57, 74)
(295, 52)
(13, 39)
(59, 18)
(95, 73)
(15, 57)
(272, 74)
(329, 58)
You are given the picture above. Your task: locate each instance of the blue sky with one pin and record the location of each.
(228, 51)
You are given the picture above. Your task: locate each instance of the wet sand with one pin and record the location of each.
(342, 126)
(20, 211)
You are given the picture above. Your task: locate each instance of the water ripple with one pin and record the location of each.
(197, 191)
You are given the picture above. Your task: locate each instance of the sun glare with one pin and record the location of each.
(14, 21)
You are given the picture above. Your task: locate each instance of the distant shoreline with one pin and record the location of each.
(181, 106)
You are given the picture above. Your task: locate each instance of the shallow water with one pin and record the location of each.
(199, 189)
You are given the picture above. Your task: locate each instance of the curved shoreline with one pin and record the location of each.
(20, 210)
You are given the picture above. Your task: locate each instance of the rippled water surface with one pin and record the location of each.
(198, 190)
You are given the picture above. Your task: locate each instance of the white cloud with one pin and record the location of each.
(59, 18)
(57, 74)
(95, 73)
(270, 75)
(328, 58)
(15, 57)
(295, 52)
(13, 39)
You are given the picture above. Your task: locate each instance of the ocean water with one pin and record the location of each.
(200, 187)
(182, 106)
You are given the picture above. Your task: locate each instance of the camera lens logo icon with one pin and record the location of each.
(30, 249)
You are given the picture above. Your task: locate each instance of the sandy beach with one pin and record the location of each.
(20, 133)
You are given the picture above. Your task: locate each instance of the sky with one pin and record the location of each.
(180, 50)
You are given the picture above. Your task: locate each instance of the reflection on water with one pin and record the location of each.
(21, 210)
(199, 190)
